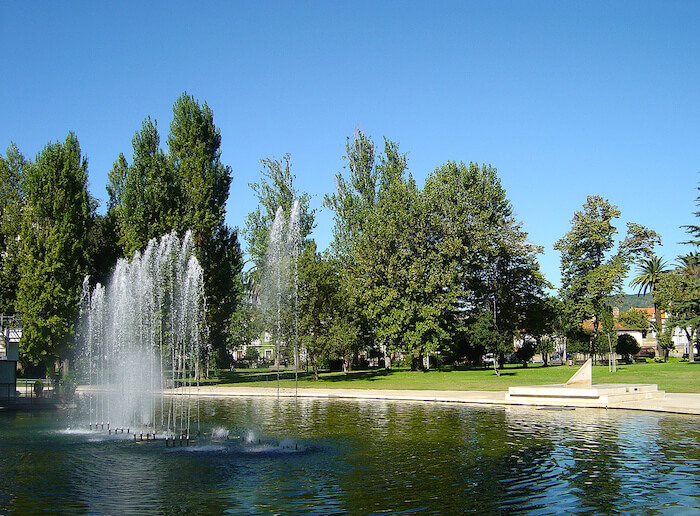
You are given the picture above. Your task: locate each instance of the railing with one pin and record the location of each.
(25, 389)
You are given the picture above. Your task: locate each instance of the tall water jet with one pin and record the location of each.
(142, 333)
(280, 280)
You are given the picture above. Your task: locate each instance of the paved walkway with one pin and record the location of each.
(674, 403)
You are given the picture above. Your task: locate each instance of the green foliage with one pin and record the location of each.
(57, 223)
(252, 354)
(195, 157)
(678, 293)
(319, 289)
(481, 332)
(525, 352)
(627, 345)
(541, 319)
(185, 189)
(634, 319)
(12, 170)
(275, 189)
(590, 273)
(665, 343)
(694, 229)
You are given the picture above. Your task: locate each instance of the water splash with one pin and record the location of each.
(280, 284)
(145, 332)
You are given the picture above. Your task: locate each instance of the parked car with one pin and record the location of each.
(488, 359)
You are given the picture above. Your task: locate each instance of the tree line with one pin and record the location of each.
(413, 271)
(51, 235)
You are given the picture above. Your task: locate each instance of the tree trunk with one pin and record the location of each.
(691, 344)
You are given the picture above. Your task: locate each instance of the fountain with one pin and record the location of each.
(143, 333)
(280, 287)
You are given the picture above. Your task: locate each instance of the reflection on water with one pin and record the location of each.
(266, 456)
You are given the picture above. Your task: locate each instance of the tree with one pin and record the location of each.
(58, 217)
(354, 205)
(194, 154)
(540, 322)
(482, 334)
(607, 337)
(678, 293)
(12, 170)
(144, 197)
(525, 352)
(627, 345)
(354, 197)
(647, 279)
(591, 273)
(634, 320)
(275, 189)
(318, 298)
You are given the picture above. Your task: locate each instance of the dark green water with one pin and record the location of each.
(359, 457)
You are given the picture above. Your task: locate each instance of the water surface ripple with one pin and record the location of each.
(269, 456)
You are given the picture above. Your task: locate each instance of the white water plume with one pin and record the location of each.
(144, 332)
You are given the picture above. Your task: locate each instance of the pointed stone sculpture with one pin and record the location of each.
(583, 377)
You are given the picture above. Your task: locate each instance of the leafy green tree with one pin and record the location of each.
(525, 352)
(194, 153)
(482, 334)
(355, 207)
(144, 197)
(665, 343)
(607, 337)
(318, 299)
(694, 229)
(540, 322)
(627, 345)
(591, 272)
(354, 197)
(57, 221)
(12, 170)
(635, 320)
(275, 189)
(485, 258)
(678, 293)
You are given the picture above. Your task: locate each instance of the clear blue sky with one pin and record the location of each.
(566, 99)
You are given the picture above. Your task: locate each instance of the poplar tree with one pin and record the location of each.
(202, 182)
(144, 196)
(58, 215)
(12, 167)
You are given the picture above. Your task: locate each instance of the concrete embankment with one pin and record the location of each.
(677, 403)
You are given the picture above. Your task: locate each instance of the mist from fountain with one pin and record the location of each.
(142, 333)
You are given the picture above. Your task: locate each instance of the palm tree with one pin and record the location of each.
(649, 275)
(689, 265)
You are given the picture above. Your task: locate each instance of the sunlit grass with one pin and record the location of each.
(670, 377)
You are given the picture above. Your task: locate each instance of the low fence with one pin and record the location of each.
(28, 388)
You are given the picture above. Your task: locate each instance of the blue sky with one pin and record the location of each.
(566, 99)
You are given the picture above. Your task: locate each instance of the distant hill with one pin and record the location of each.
(627, 301)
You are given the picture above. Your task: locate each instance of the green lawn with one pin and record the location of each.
(670, 377)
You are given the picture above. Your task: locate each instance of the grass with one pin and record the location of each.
(670, 377)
